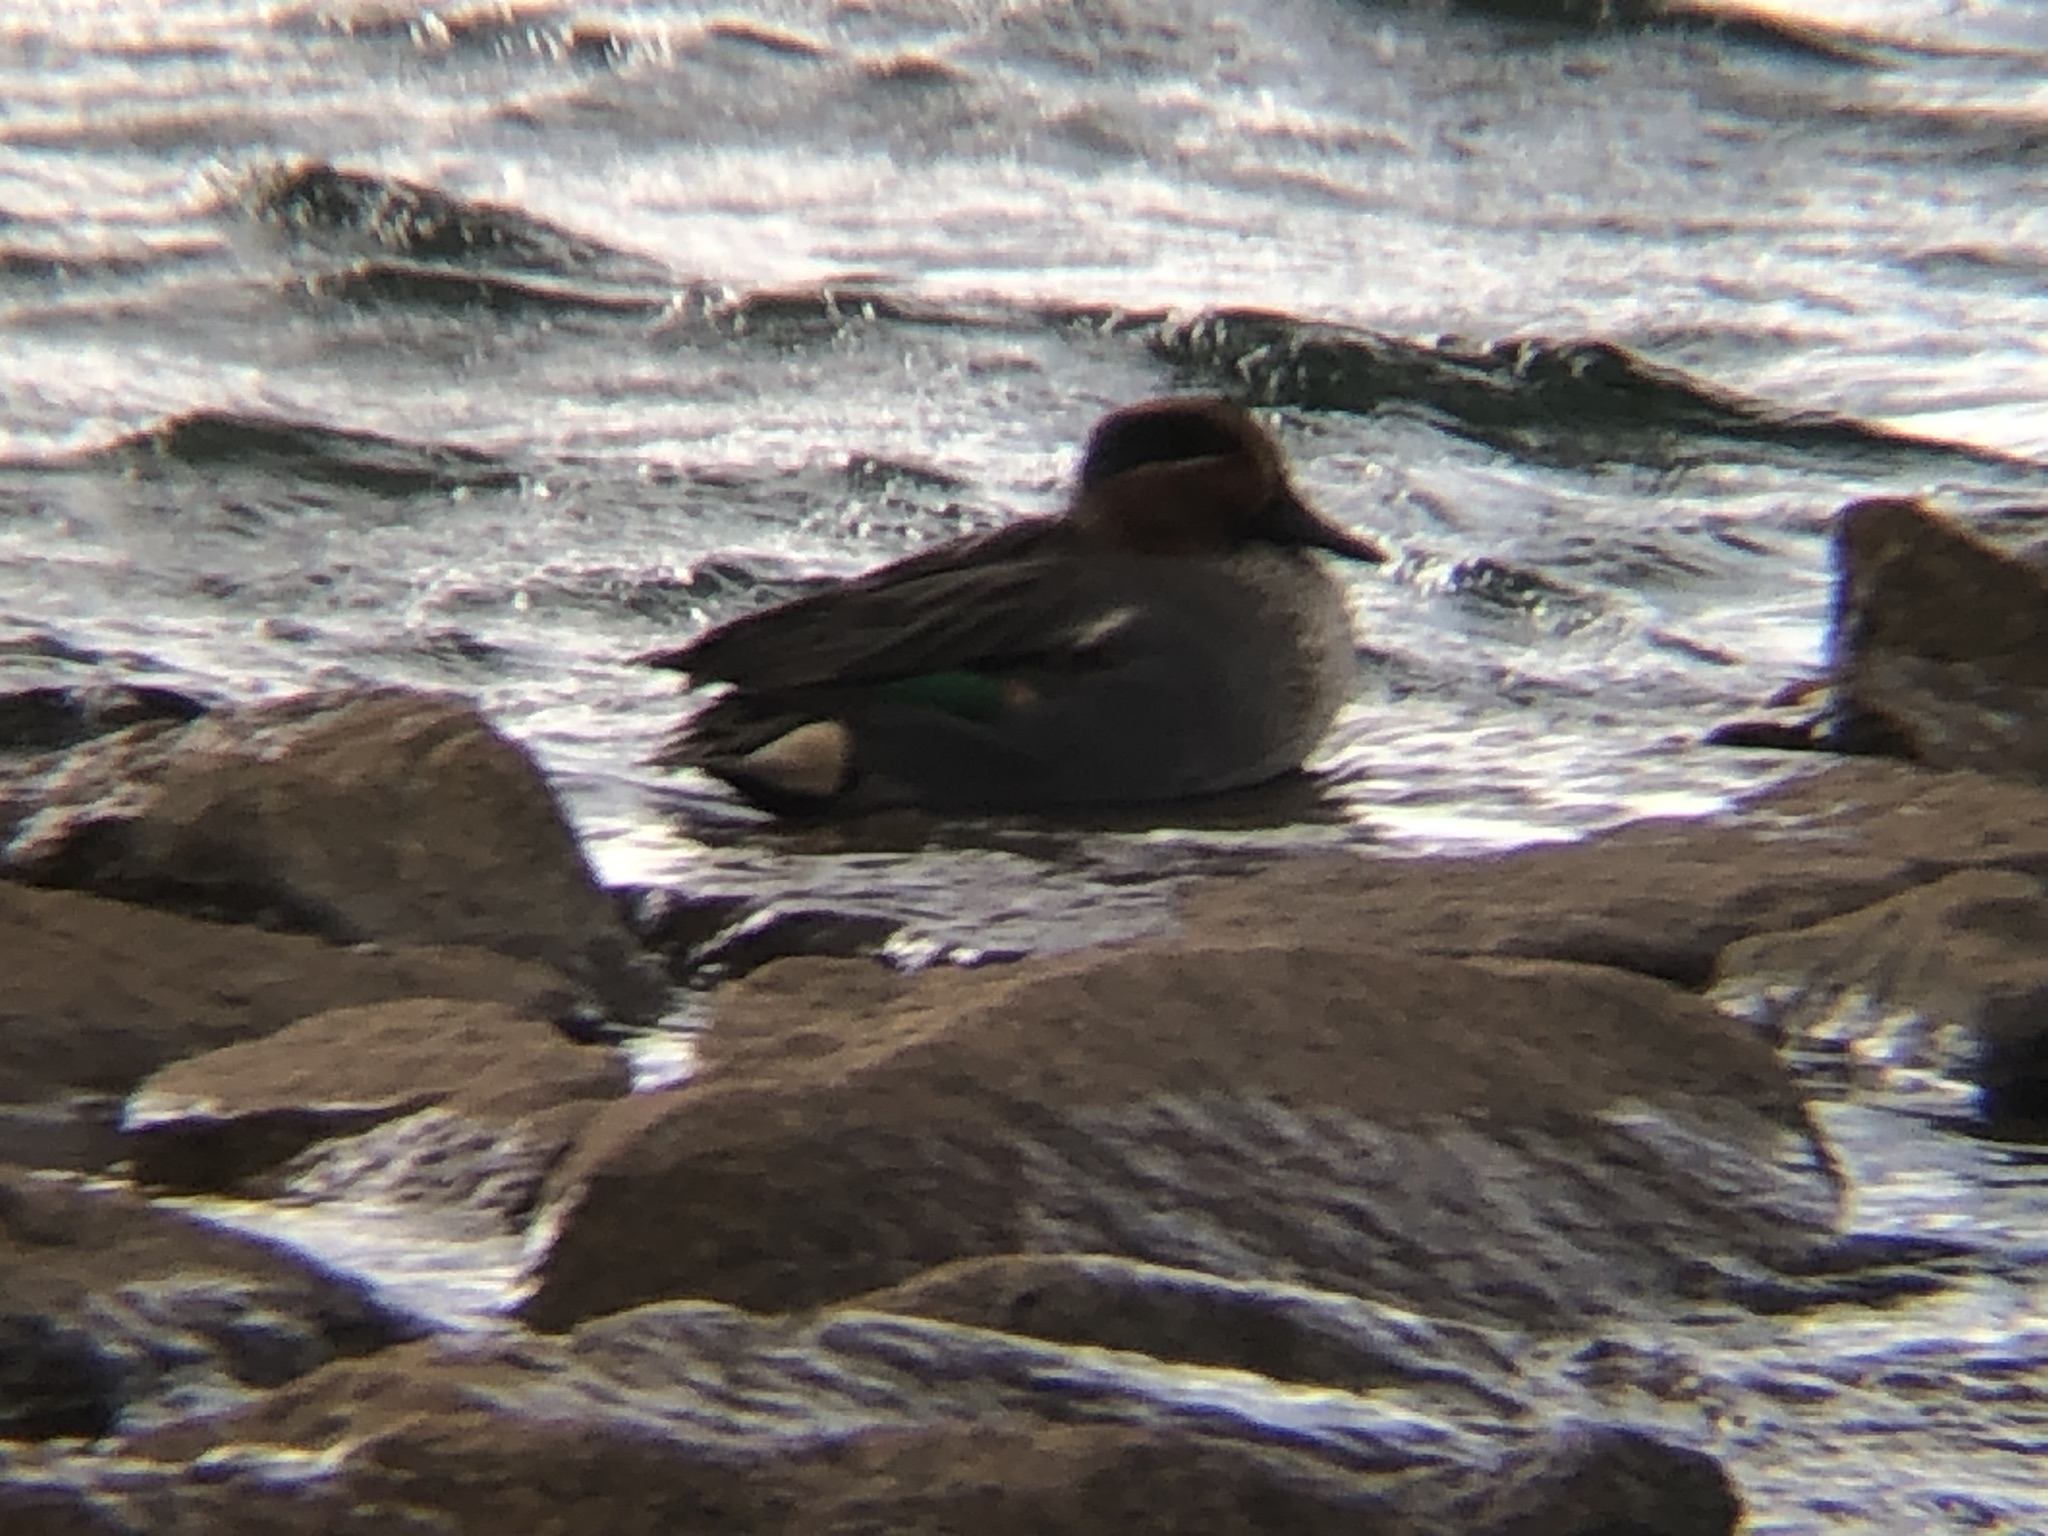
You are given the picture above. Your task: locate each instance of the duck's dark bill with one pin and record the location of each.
(1295, 521)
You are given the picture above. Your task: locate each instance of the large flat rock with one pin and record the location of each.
(1663, 897)
(1517, 1141)
(97, 994)
(383, 816)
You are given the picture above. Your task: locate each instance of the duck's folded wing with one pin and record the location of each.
(1004, 599)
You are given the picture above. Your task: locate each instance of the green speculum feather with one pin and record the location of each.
(971, 695)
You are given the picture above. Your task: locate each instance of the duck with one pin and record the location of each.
(1171, 634)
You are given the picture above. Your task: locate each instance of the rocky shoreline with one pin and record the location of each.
(1251, 1226)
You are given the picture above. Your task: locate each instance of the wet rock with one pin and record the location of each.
(118, 1312)
(97, 994)
(1951, 979)
(381, 816)
(52, 717)
(708, 939)
(698, 1418)
(1939, 640)
(37, 1506)
(76, 1131)
(211, 1121)
(55, 1380)
(1661, 897)
(1285, 1333)
(461, 1176)
(1518, 1142)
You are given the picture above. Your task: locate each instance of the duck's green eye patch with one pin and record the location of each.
(970, 695)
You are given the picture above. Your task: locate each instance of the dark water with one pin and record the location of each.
(484, 346)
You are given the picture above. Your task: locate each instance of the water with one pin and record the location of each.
(722, 299)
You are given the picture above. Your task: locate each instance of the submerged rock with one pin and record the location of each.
(1949, 979)
(118, 1312)
(1532, 1143)
(383, 816)
(693, 1417)
(210, 1121)
(97, 994)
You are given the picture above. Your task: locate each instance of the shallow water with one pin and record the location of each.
(700, 303)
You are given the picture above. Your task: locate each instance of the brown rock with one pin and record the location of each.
(458, 1177)
(698, 1419)
(1282, 1332)
(384, 816)
(1951, 977)
(47, 718)
(1939, 640)
(210, 1121)
(110, 1302)
(1662, 897)
(1519, 1141)
(97, 994)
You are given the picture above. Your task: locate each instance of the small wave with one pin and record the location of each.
(427, 285)
(415, 241)
(1573, 403)
(329, 455)
(545, 30)
(797, 315)
(1801, 36)
(25, 264)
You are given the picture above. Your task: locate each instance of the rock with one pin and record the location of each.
(381, 816)
(695, 1418)
(210, 1121)
(674, 923)
(708, 939)
(465, 1176)
(1943, 637)
(52, 717)
(1286, 1333)
(33, 1506)
(55, 1380)
(1665, 896)
(117, 1311)
(1950, 978)
(76, 1131)
(97, 994)
(1523, 1142)
(1937, 646)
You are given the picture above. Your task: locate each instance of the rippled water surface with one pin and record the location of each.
(485, 346)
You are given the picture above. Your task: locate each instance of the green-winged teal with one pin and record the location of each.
(1169, 635)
